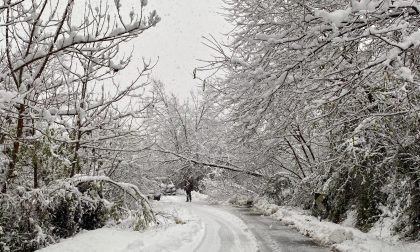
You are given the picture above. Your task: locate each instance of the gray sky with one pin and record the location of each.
(176, 40)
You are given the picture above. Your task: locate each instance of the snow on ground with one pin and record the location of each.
(172, 237)
(339, 237)
(183, 227)
(109, 239)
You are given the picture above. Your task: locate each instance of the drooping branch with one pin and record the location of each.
(130, 189)
(224, 167)
(296, 157)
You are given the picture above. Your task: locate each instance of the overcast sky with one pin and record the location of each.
(177, 40)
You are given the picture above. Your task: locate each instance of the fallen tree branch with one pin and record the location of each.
(225, 167)
(131, 189)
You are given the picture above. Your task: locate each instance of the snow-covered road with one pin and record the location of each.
(272, 235)
(223, 232)
(202, 228)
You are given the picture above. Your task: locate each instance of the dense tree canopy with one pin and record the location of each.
(327, 92)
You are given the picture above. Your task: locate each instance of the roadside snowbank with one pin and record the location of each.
(339, 237)
(113, 240)
(179, 230)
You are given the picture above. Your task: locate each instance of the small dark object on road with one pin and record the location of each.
(155, 196)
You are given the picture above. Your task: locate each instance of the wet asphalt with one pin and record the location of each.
(273, 235)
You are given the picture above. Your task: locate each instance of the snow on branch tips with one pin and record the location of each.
(59, 64)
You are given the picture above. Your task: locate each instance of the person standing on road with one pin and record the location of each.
(189, 186)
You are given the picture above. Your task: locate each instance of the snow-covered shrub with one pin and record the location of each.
(377, 177)
(31, 219)
(284, 190)
(358, 188)
(278, 188)
(241, 200)
(407, 180)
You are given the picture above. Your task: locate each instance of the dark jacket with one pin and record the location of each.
(189, 186)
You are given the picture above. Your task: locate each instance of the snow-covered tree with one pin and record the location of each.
(64, 111)
(329, 90)
(57, 70)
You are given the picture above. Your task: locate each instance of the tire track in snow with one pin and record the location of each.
(224, 232)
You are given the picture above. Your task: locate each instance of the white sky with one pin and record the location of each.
(177, 40)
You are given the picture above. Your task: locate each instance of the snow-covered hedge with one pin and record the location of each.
(31, 219)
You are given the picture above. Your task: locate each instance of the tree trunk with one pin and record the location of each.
(10, 174)
(75, 168)
(415, 205)
(36, 169)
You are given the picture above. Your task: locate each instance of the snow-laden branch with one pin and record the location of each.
(131, 189)
(224, 167)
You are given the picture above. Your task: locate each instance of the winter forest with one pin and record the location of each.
(310, 105)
